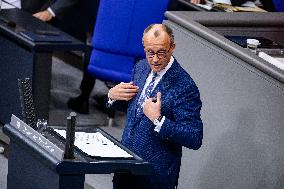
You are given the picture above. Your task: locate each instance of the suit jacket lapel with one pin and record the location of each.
(162, 86)
(140, 82)
(167, 80)
(142, 79)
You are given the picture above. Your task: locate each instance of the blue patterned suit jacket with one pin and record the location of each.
(182, 127)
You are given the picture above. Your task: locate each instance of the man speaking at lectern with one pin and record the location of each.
(163, 112)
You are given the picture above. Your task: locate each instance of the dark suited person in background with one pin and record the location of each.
(78, 22)
(45, 10)
(72, 16)
(163, 112)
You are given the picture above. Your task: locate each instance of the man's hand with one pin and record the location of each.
(152, 107)
(197, 1)
(123, 91)
(43, 15)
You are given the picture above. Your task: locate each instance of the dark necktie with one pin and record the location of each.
(146, 94)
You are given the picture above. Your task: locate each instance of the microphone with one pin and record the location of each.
(8, 22)
(70, 136)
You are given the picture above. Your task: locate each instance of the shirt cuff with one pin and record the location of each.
(51, 12)
(159, 125)
(110, 101)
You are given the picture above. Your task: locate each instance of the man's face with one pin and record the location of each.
(158, 50)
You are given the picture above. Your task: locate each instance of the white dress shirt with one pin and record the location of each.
(148, 80)
(157, 80)
(51, 12)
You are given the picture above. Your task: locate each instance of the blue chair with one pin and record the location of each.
(278, 5)
(117, 38)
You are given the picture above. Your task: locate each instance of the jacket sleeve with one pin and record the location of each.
(186, 126)
(119, 104)
(60, 7)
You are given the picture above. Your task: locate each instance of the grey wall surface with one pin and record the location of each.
(267, 24)
(243, 145)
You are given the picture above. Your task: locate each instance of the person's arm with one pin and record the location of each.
(45, 15)
(123, 91)
(58, 8)
(186, 128)
(197, 1)
(120, 94)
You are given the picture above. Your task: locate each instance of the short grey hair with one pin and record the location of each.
(166, 29)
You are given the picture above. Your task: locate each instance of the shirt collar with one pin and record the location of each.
(162, 72)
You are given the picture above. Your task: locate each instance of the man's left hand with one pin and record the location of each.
(43, 15)
(152, 107)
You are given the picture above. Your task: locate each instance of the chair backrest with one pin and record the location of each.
(279, 5)
(117, 39)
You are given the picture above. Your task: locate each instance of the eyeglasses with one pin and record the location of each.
(160, 54)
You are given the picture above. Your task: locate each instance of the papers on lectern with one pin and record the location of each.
(278, 62)
(222, 1)
(225, 5)
(95, 144)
